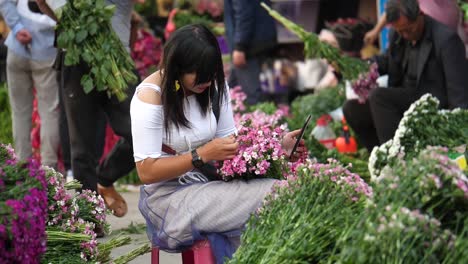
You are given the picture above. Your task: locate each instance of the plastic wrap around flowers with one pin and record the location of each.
(365, 83)
(260, 154)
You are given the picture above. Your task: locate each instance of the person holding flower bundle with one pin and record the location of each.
(82, 106)
(182, 119)
(425, 56)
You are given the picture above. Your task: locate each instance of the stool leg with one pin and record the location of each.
(188, 256)
(155, 255)
(203, 256)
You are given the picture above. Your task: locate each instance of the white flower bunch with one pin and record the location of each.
(423, 124)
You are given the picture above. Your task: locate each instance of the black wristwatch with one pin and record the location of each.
(197, 160)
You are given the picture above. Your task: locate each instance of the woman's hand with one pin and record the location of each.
(219, 149)
(288, 144)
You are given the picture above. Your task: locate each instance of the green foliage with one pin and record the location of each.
(464, 8)
(316, 104)
(6, 134)
(187, 17)
(349, 67)
(299, 223)
(86, 33)
(147, 9)
(268, 108)
(131, 178)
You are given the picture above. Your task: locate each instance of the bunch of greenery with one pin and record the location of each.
(438, 187)
(464, 8)
(187, 17)
(316, 104)
(394, 234)
(301, 221)
(350, 68)
(6, 135)
(268, 108)
(86, 33)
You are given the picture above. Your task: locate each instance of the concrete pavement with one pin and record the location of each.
(134, 218)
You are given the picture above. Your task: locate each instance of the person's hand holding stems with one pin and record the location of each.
(219, 149)
(288, 144)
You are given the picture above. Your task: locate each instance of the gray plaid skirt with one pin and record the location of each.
(179, 213)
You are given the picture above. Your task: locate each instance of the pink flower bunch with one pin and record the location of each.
(366, 82)
(395, 231)
(238, 98)
(260, 153)
(23, 209)
(61, 212)
(7, 155)
(89, 248)
(259, 119)
(436, 184)
(214, 8)
(92, 207)
(351, 183)
(445, 172)
(431, 176)
(146, 53)
(78, 213)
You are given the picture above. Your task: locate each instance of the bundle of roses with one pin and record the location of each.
(23, 209)
(437, 186)
(423, 124)
(303, 218)
(394, 234)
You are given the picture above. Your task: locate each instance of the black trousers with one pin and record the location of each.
(65, 138)
(82, 112)
(376, 121)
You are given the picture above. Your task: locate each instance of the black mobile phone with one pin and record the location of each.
(301, 135)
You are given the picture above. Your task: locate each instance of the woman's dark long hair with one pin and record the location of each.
(190, 49)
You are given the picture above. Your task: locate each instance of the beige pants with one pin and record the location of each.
(22, 75)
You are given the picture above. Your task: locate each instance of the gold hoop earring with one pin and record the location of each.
(177, 85)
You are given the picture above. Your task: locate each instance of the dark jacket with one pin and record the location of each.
(249, 27)
(442, 66)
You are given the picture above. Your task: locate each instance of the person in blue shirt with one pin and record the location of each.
(251, 35)
(30, 58)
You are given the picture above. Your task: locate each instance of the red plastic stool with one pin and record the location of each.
(199, 253)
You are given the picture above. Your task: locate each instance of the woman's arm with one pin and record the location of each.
(45, 8)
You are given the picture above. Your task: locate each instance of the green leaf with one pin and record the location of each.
(81, 35)
(93, 28)
(87, 83)
(62, 40)
(72, 57)
(87, 57)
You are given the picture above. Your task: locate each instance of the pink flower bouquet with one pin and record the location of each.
(260, 154)
(366, 82)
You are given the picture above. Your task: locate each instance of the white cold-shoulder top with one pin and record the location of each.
(148, 131)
